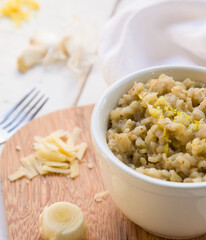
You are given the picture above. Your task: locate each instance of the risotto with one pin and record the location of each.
(159, 129)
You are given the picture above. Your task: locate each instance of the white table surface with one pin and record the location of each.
(57, 84)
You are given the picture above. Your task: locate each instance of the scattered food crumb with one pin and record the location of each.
(90, 165)
(98, 197)
(18, 148)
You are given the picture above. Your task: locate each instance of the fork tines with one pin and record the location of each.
(24, 111)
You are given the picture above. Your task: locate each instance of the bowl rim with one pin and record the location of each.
(108, 153)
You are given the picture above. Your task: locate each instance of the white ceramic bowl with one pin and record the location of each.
(169, 209)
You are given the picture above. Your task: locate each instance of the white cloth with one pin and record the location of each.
(169, 32)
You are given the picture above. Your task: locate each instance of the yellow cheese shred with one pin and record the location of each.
(18, 10)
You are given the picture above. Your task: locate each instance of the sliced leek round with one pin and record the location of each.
(62, 221)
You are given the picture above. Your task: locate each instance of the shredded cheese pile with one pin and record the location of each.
(56, 153)
(18, 10)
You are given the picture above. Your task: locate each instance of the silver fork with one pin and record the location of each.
(21, 113)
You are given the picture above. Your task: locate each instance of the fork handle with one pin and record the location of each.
(4, 136)
(2, 140)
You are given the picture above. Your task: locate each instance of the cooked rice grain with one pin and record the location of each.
(159, 129)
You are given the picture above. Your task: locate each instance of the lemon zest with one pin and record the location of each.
(164, 132)
(193, 126)
(154, 112)
(197, 122)
(160, 101)
(166, 148)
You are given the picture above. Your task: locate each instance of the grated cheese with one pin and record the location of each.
(53, 154)
(98, 197)
(90, 165)
(18, 148)
(18, 10)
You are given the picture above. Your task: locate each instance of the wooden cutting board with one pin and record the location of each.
(24, 200)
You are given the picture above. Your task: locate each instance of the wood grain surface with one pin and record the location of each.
(24, 200)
